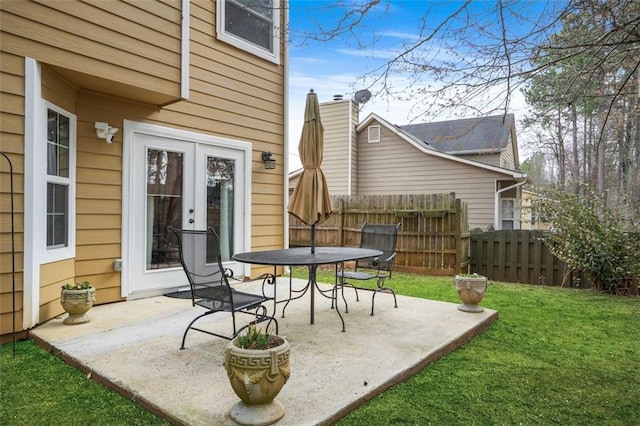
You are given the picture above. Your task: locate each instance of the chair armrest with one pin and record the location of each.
(389, 260)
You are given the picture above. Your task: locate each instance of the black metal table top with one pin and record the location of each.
(303, 256)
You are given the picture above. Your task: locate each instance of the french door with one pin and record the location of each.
(187, 185)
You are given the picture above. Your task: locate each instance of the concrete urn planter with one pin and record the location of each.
(77, 303)
(471, 290)
(257, 376)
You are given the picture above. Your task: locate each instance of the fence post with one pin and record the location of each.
(341, 224)
(458, 236)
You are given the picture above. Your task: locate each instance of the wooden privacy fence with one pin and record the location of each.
(519, 256)
(433, 238)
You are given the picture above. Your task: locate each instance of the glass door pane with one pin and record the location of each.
(220, 176)
(164, 206)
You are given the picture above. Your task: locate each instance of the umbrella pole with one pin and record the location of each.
(312, 271)
(313, 238)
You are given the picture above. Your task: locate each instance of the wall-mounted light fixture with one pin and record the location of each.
(106, 132)
(269, 160)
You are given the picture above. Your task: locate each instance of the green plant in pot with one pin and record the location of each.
(471, 289)
(77, 299)
(257, 365)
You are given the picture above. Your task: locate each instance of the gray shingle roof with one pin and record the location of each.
(469, 135)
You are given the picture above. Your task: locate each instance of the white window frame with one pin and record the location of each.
(54, 254)
(239, 42)
(515, 211)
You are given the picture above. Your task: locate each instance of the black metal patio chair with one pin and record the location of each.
(381, 237)
(199, 252)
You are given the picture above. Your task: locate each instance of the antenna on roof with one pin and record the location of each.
(362, 96)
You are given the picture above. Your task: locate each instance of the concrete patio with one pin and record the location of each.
(133, 347)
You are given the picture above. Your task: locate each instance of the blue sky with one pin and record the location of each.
(333, 67)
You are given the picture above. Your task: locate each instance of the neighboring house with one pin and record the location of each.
(532, 217)
(475, 158)
(122, 118)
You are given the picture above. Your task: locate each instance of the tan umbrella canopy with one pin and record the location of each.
(310, 201)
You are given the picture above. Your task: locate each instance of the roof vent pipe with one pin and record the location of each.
(337, 97)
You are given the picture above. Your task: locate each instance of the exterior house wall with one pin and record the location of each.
(117, 61)
(513, 148)
(12, 143)
(112, 47)
(507, 157)
(393, 166)
(54, 275)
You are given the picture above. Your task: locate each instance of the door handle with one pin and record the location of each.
(191, 220)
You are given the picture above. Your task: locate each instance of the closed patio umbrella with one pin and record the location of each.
(310, 201)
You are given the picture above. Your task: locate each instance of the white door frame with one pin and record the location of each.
(130, 205)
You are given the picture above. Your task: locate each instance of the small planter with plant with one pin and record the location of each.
(77, 299)
(257, 365)
(471, 289)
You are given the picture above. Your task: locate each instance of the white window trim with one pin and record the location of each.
(497, 205)
(517, 213)
(184, 50)
(68, 252)
(32, 239)
(240, 43)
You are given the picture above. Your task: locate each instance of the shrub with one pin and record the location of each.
(77, 286)
(257, 339)
(588, 237)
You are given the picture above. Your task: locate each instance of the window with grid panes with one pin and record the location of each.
(251, 25)
(58, 178)
(508, 213)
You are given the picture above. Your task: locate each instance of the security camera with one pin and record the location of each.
(111, 134)
(104, 131)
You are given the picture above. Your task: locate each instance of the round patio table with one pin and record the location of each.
(305, 256)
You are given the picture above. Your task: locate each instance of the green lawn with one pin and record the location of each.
(555, 356)
(37, 388)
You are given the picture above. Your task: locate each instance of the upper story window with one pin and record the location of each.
(60, 163)
(251, 25)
